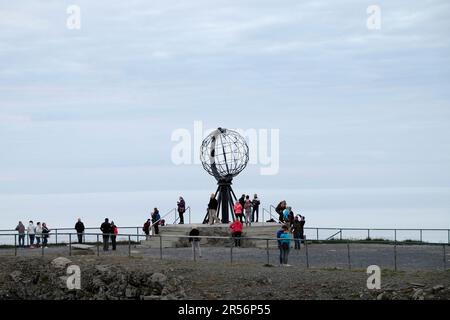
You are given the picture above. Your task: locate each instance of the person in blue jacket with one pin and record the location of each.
(285, 245)
(280, 243)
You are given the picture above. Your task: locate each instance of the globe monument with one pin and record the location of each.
(224, 154)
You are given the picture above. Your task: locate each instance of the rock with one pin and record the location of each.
(80, 246)
(418, 294)
(102, 268)
(417, 284)
(16, 276)
(437, 288)
(384, 296)
(130, 292)
(158, 279)
(60, 263)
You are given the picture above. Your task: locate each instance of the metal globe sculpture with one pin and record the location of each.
(224, 154)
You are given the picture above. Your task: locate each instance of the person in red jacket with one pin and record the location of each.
(236, 232)
(238, 211)
(114, 232)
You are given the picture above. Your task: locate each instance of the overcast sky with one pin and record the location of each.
(93, 110)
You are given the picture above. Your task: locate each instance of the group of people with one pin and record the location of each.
(284, 242)
(244, 209)
(247, 209)
(154, 221)
(38, 233)
(109, 232)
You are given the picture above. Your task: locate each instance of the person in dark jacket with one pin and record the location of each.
(106, 230)
(181, 205)
(255, 205)
(302, 228)
(79, 227)
(195, 241)
(45, 234)
(212, 210)
(279, 209)
(21, 230)
(146, 228)
(156, 220)
(296, 232)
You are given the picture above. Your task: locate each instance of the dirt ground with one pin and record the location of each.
(147, 278)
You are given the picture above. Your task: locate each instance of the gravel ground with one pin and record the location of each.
(409, 257)
(143, 277)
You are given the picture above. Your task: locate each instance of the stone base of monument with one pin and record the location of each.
(253, 236)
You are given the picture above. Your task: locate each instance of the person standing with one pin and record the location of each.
(195, 241)
(146, 228)
(181, 204)
(114, 232)
(248, 211)
(302, 228)
(291, 217)
(21, 231)
(238, 211)
(286, 214)
(45, 234)
(106, 230)
(279, 209)
(212, 210)
(296, 232)
(236, 232)
(285, 246)
(242, 201)
(279, 232)
(79, 227)
(31, 230)
(255, 205)
(156, 219)
(38, 234)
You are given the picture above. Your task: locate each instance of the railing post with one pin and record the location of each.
(348, 256)
(98, 245)
(193, 250)
(307, 255)
(70, 244)
(189, 215)
(317, 233)
(129, 246)
(42, 246)
(15, 245)
(420, 235)
(448, 231)
(231, 252)
(395, 256)
(137, 234)
(340, 234)
(395, 235)
(445, 258)
(267, 249)
(160, 248)
(368, 234)
(56, 236)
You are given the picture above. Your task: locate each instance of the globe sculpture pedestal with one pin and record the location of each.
(225, 196)
(224, 154)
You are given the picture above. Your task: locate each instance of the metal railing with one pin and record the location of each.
(226, 239)
(316, 233)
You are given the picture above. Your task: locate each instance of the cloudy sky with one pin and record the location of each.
(93, 110)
